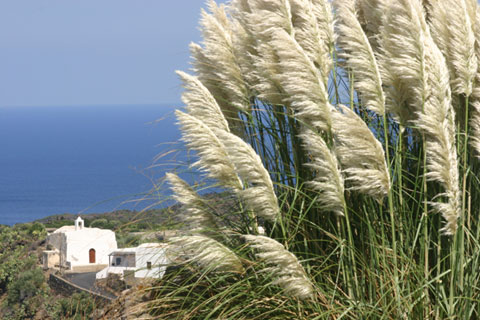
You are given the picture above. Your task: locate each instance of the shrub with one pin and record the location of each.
(27, 284)
(100, 223)
(78, 306)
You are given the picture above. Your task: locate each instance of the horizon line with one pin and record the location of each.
(162, 104)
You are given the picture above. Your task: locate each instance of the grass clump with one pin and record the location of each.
(350, 136)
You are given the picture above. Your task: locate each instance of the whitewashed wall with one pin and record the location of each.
(74, 245)
(80, 242)
(154, 253)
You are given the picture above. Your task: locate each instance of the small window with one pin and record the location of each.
(118, 261)
(149, 265)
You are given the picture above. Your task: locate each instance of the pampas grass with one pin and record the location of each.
(196, 213)
(328, 181)
(216, 62)
(213, 157)
(453, 32)
(201, 104)
(360, 154)
(398, 167)
(308, 94)
(283, 265)
(206, 252)
(422, 69)
(360, 57)
(259, 195)
(314, 35)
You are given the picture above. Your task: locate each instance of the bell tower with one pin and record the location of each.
(79, 224)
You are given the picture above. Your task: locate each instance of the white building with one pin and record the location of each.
(148, 260)
(77, 247)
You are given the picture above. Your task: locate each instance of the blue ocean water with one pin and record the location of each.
(79, 159)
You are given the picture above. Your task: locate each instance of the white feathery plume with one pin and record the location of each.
(475, 127)
(360, 154)
(268, 14)
(206, 252)
(322, 10)
(403, 56)
(213, 157)
(264, 76)
(258, 18)
(245, 50)
(359, 56)
(302, 81)
(201, 104)
(452, 30)
(472, 8)
(438, 123)
(420, 66)
(328, 179)
(259, 195)
(240, 6)
(196, 213)
(371, 14)
(315, 39)
(283, 265)
(476, 29)
(216, 63)
(475, 98)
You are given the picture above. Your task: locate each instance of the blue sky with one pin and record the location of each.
(94, 52)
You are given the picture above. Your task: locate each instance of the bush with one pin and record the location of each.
(27, 294)
(78, 306)
(101, 223)
(37, 230)
(27, 284)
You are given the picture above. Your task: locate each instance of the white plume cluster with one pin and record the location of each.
(328, 181)
(201, 104)
(258, 18)
(216, 63)
(475, 97)
(314, 35)
(403, 58)
(475, 126)
(266, 15)
(452, 30)
(206, 252)
(212, 154)
(359, 56)
(196, 213)
(418, 63)
(259, 195)
(360, 154)
(371, 15)
(308, 94)
(283, 265)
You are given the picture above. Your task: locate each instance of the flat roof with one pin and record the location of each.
(124, 251)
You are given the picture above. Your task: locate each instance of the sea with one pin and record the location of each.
(84, 159)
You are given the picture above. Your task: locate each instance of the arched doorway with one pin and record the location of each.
(91, 256)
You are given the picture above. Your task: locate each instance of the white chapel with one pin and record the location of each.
(76, 246)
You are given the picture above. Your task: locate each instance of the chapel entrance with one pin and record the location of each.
(91, 256)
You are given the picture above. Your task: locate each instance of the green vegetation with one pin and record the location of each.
(78, 306)
(358, 154)
(24, 292)
(27, 293)
(21, 280)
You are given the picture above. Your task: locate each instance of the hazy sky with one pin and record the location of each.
(83, 52)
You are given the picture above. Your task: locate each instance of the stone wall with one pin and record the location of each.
(65, 287)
